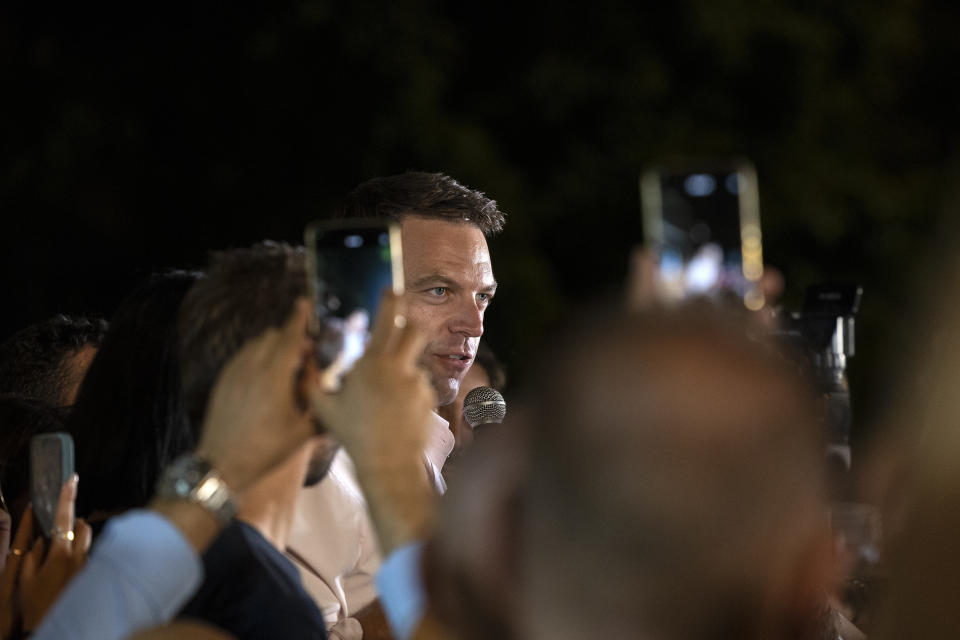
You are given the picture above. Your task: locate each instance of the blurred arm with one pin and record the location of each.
(141, 572)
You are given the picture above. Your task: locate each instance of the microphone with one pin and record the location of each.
(483, 405)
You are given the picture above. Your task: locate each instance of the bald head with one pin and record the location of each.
(675, 468)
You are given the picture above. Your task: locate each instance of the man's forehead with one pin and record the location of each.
(431, 244)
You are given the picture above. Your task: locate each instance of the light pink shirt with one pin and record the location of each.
(332, 541)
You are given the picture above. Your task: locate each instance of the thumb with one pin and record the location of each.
(322, 403)
(641, 279)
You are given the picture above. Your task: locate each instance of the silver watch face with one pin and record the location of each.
(191, 478)
(181, 487)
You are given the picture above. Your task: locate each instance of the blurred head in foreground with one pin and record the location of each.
(672, 488)
(920, 488)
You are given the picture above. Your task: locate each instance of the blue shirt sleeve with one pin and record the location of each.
(140, 574)
(401, 590)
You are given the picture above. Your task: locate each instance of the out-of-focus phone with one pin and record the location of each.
(351, 262)
(51, 465)
(702, 223)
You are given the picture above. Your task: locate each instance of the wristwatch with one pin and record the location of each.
(192, 478)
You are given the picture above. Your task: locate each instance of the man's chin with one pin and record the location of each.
(447, 391)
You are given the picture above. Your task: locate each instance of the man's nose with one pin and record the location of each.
(468, 319)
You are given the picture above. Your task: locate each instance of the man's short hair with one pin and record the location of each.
(245, 292)
(431, 195)
(35, 361)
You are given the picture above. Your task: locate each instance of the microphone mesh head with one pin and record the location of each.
(484, 405)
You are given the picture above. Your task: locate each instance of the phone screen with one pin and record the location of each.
(353, 262)
(703, 226)
(51, 465)
(353, 269)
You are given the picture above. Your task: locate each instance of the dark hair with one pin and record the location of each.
(431, 195)
(245, 292)
(128, 422)
(488, 361)
(21, 419)
(34, 362)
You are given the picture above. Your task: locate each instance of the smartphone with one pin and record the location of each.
(51, 465)
(351, 262)
(701, 221)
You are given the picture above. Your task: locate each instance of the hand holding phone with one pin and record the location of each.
(51, 466)
(702, 225)
(37, 571)
(351, 262)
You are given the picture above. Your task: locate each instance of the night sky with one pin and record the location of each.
(134, 139)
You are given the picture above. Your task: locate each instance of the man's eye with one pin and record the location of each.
(438, 291)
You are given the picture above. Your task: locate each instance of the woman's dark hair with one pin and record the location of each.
(128, 423)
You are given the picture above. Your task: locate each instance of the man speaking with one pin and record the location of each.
(449, 284)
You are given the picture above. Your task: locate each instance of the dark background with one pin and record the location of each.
(138, 136)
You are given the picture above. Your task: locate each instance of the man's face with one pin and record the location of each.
(78, 364)
(449, 283)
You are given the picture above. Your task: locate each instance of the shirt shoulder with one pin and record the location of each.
(252, 591)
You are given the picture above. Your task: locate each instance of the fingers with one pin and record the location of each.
(772, 283)
(62, 535)
(21, 542)
(84, 535)
(385, 324)
(409, 344)
(32, 561)
(641, 283)
(81, 544)
(5, 534)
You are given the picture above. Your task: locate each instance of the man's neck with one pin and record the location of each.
(449, 411)
(269, 505)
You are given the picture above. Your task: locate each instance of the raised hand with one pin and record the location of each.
(254, 420)
(9, 603)
(44, 574)
(382, 417)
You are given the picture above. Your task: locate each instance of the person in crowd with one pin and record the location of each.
(449, 283)
(32, 576)
(47, 360)
(128, 423)
(147, 563)
(913, 475)
(671, 486)
(704, 494)
(251, 590)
